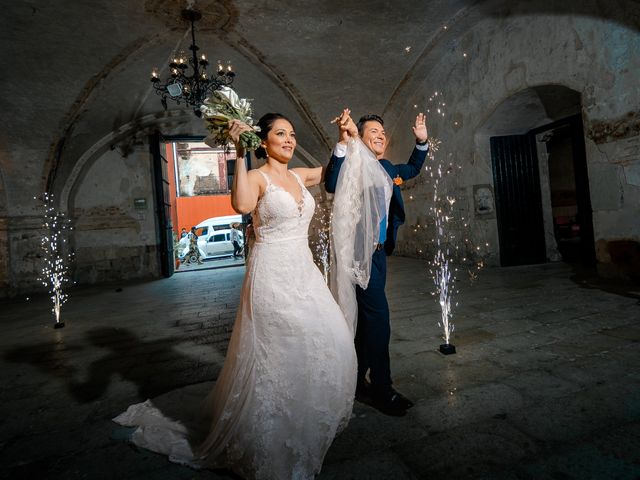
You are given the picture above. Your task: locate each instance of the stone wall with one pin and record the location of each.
(114, 239)
(24, 234)
(496, 60)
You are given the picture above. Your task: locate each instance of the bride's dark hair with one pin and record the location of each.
(266, 124)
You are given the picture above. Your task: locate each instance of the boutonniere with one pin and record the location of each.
(397, 180)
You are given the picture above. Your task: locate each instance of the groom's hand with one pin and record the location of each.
(420, 128)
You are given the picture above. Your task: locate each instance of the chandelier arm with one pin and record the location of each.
(193, 89)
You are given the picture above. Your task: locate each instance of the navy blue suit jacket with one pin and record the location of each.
(396, 208)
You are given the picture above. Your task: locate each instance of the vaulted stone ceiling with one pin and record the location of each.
(76, 72)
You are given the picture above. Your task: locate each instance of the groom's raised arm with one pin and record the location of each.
(414, 165)
(333, 168)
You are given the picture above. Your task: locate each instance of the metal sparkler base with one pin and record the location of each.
(59, 325)
(447, 348)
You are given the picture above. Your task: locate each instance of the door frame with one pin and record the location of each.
(581, 174)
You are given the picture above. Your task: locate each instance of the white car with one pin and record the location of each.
(206, 227)
(216, 244)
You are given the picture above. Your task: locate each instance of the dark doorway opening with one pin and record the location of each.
(569, 188)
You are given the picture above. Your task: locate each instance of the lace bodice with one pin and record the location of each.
(278, 216)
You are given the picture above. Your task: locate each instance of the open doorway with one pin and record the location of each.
(540, 178)
(206, 231)
(571, 212)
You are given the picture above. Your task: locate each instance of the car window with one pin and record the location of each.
(217, 238)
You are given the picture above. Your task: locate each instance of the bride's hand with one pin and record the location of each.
(345, 124)
(236, 128)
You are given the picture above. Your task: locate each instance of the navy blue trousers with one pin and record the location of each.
(373, 331)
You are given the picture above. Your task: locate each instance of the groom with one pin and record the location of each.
(373, 330)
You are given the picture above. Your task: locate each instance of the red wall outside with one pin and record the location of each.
(193, 210)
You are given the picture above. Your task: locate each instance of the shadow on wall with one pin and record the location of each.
(624, 12)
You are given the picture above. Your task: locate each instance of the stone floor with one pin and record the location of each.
(545, 383)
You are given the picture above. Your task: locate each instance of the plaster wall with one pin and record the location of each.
(495, 60)
(113, 239)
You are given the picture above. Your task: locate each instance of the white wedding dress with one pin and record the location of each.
(288, 381)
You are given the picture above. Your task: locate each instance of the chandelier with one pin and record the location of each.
(194, 88)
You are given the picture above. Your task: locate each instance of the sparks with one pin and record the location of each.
(55, 272)
(452, 246)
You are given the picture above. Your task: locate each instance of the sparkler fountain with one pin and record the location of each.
(55, 272)
(442, 268)
(452, 246)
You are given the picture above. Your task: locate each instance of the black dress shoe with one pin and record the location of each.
(402, 399)
(390, 404)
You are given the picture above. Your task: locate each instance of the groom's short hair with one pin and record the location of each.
(368, 118)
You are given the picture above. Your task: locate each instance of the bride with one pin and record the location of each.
(288, 381)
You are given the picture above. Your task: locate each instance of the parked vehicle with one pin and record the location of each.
(209, 225)
(214, 237)
(218, 243)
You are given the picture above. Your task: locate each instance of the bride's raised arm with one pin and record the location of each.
(246, 187)
(310, 176)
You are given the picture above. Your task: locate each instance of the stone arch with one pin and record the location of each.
(127, 131)
(522, 112)
(452, 37)
(169, 122)
(530, 108)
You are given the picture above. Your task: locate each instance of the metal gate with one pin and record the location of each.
(516, 180)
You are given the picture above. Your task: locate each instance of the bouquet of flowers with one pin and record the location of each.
(221, 107)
